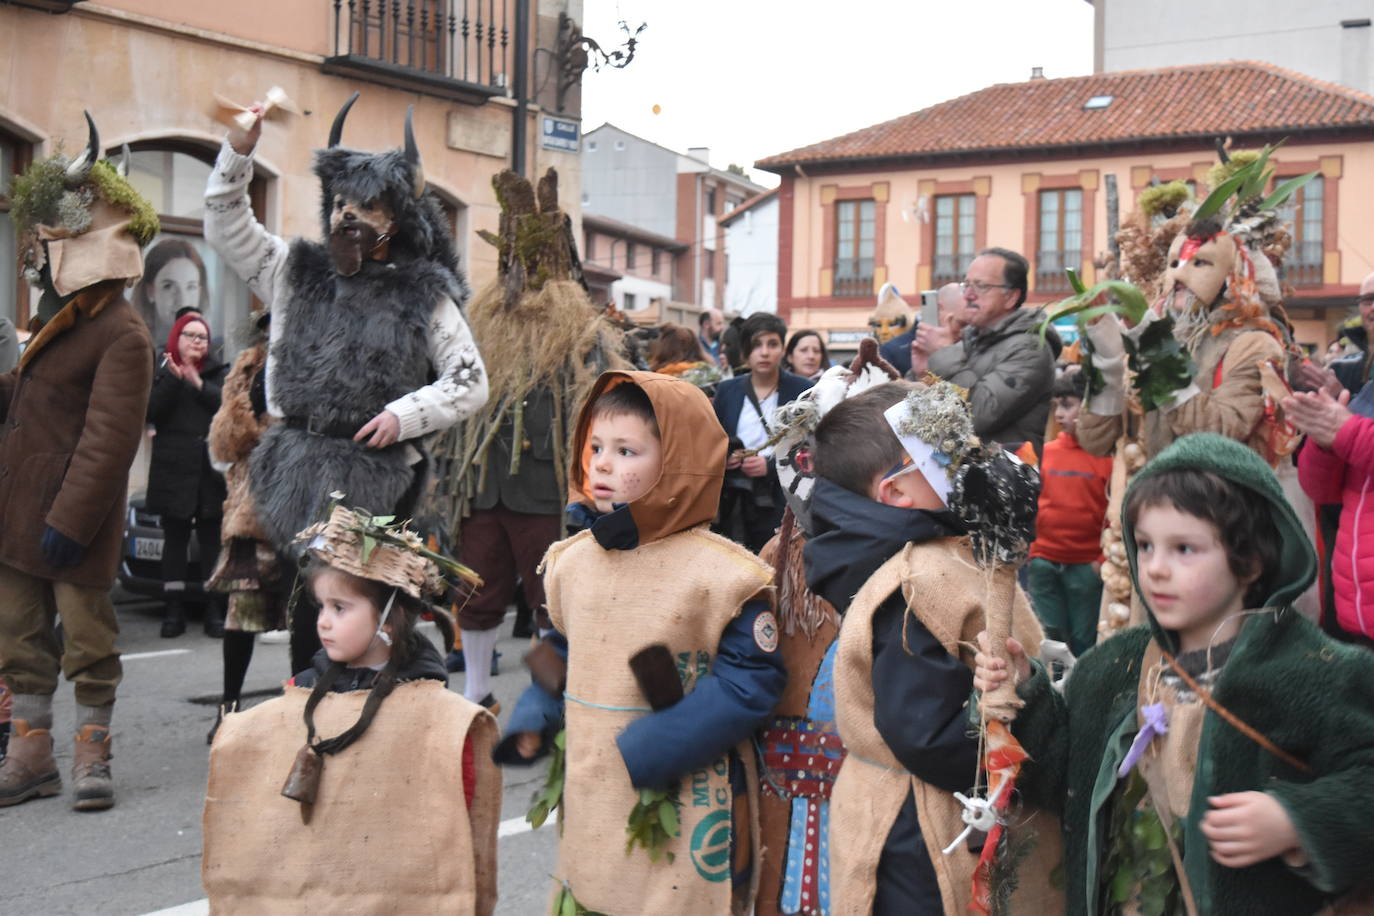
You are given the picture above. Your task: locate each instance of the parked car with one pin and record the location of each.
(140, 567)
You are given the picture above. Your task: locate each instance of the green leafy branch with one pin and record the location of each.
(1247, 185)
(1139, 866)
(654, 820)
(565, 904)
(551, 796)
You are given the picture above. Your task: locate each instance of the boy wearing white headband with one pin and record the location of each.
(889, 552)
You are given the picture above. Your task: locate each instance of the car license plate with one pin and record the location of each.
(147, 549)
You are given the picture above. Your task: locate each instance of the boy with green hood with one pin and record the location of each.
(1216, 760)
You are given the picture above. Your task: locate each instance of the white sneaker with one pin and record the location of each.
(274, 637)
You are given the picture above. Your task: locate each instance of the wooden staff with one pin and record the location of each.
(1002, 703)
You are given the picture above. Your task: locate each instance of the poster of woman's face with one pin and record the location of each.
(174, 278)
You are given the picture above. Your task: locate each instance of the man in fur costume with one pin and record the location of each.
(504, 485)
(71, 417)
(1208, 356)
(368, 349)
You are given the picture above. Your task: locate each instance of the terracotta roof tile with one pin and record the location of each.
(1193, 101)
(747, 205)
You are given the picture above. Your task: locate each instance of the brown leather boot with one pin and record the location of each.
(29, 770)
(93, 788)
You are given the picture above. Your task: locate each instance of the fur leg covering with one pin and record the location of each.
(292, 474)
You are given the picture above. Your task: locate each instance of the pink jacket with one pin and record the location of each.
(1344, 474)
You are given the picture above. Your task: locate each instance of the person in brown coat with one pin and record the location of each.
(71, 416)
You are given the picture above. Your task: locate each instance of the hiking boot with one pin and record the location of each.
(29, 770)
(92, 786)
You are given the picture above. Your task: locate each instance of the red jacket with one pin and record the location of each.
(1345, 474)
(1073, 503)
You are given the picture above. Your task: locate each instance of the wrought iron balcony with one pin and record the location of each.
(455, 49)
(1049, 270)
(853, 277)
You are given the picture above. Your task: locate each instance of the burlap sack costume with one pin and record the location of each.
(809, 625)
(389, 832)
(946, 592)
(680, 587)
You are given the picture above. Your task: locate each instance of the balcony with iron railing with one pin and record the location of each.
(1049, 270)
(1303, 267)
(454, 49)
(949, 268)
(853, 277)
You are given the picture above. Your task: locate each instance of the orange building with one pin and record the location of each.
(1031, 166)
(149, 72)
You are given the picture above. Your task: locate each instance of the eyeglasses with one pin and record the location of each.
(1365, 300)
(980, 288)
(192, 335)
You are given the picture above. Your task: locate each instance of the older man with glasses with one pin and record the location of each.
(999, 357)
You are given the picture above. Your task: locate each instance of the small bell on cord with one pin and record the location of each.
(303, 782)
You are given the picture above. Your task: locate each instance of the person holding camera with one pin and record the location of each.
(751, 502)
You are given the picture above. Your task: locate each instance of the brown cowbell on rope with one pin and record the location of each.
(303, 782)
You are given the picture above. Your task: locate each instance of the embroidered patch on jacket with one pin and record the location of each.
(766, 631)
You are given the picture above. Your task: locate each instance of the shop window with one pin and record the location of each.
(14, 290)
(179, 268)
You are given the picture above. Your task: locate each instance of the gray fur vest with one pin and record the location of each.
(349, 346)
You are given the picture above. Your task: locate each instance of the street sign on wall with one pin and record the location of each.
(560, 134)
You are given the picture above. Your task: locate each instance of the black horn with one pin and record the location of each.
(413, 152)
(336, 130)
(78, 170)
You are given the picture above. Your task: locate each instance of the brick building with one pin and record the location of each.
(1028, 166)
(639, 196)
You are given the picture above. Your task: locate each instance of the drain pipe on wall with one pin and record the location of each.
(522, 59)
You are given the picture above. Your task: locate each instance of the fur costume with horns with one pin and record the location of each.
(384, 333)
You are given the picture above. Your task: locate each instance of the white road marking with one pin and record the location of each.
(158, 654)
(511, 827)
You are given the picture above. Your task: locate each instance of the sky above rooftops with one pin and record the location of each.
(753, 78)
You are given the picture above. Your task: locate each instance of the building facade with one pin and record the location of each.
(751, 244)
(149, 71)
(1331, 40)
(1032, 166)
(637, 183)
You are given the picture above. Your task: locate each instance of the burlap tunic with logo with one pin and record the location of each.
(947, 593)
(687, 588)
(389, 832)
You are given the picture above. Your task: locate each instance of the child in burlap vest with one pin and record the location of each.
(891, 556)
(388, 809)
(649, 573)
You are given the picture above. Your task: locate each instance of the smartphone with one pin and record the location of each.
(930, 307)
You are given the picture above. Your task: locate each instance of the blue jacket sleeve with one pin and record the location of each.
(536, 711)
(921, 695)
(726, 706)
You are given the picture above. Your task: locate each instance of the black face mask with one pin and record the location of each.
(352, 243)
(51, 301)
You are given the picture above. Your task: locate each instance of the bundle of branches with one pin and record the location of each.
(536, 328)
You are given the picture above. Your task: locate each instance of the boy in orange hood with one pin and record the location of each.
(647, 574)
